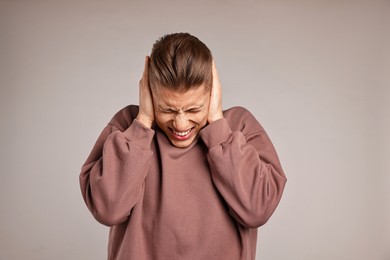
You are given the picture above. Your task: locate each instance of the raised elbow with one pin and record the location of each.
(109, 219)
(252, 219)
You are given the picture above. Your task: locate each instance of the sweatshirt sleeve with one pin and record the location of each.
(112, 178)
(244, 168)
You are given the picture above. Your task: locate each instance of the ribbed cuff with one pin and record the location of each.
(138, 134)
(216, 133)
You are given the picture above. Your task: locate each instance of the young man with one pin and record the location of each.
(176, 177)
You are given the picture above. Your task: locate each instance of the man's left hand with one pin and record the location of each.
(215, 109)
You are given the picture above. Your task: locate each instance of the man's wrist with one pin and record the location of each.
(145, 121)
(215, 118)
(216, 133)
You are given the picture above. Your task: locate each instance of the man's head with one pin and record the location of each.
(180, 77)
(180, 62)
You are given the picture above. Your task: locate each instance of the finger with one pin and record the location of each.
(145, 74)
(214, 69)
(216, 87)
(216, 84)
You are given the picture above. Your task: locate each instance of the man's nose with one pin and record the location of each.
(180, 122)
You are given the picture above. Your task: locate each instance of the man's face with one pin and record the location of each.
(181, 115)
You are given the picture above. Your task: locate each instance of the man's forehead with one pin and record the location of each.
(170, 104)
(180, 90)
(172, 98)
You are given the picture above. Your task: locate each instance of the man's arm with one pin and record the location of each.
(244, 165)
(245, 168)
(112, 178)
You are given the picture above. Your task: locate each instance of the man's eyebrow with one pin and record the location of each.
(195, 107)
(161, 107)
(167, 107)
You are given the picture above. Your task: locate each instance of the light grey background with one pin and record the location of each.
(314, 73)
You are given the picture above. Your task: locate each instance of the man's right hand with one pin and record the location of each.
(146, 110)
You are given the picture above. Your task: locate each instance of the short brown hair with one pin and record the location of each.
(180, 61)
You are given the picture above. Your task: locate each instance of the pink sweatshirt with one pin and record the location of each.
(205, 201)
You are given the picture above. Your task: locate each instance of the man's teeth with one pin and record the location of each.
(182, 133)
